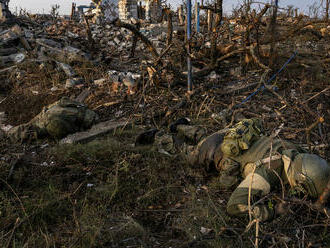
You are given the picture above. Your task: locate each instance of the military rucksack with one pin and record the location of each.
(64, 117)
(56, 120)
(241, 137)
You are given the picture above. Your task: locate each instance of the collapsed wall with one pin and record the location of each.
(127, 9)
(4, 10)
(107, 8)
(153, 10)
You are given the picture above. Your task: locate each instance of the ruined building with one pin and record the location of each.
(127, 9)
(4, 10)
(107, 8)
(153, 10)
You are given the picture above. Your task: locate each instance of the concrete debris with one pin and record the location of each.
(96, 131)
(11, 59)
(128, 9)
(100, 82)
(147, 48)
(129, 79)
(67, 69)
(72, 82)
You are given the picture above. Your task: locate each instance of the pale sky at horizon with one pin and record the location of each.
(44, 6)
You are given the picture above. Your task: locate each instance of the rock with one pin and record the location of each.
(100, 82)
(68, 70)
(72, 35)
(96, 131)
(130, 82)
(54, 88)
(71, 82)
(11, 59)
(116, 40)
(213, 75)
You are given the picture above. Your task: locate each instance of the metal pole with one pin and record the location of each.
(209, 20)
(188, 39)
(197, 17)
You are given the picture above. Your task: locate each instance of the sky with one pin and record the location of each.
(44, 6)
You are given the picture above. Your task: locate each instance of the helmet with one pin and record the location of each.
(306, 170)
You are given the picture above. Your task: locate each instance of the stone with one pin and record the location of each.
(100, 129)
(116, 40)
(54, 88)
(68, 70)
(71, 82)
(100, 82)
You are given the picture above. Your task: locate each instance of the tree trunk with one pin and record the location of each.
(219, 14)
(209, 20)
(4, 10)
(272, 30)
(327, 3)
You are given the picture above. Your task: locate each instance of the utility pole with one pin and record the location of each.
(188, 40)
(197, 16)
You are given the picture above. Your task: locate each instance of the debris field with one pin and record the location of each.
(95, 188)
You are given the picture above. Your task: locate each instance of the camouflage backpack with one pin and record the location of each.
(56, 120)
(64, 117)
(241, 137)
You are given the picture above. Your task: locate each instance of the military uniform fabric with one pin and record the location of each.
(262, 178)
(182, 141)
(57, 120)
(263, 162)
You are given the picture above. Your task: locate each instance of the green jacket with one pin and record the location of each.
(262, 169)
(57, 120)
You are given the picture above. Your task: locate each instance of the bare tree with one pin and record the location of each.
(314, 10)
(272, 30)
(4, 10)
(326, 9)
(219, 13)
(54, 12)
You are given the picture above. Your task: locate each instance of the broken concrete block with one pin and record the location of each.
(68, 70)
(71, 82)
(100, 82)
(72, 35)
(54, 88)
(116, 40)
(28, 34)
(207, 44)
(48, 43)
(213, 75)
(12, 59)
(130, 82)
(96, 131)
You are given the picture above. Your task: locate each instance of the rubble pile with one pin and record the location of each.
(127, 9)
(133, 76)
(66, 28)
(112, 38)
